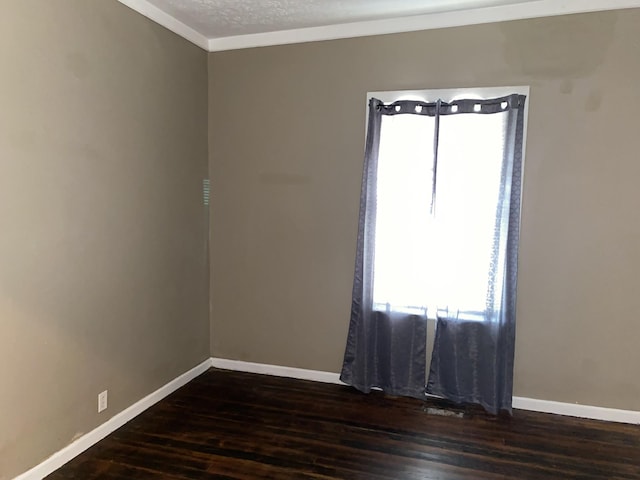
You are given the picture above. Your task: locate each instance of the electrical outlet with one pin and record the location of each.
(103, 400)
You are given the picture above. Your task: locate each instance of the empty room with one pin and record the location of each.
(318, 239)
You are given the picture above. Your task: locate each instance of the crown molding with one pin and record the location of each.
(161, 17)
(518, 11)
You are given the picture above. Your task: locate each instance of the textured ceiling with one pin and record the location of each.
(225, 18)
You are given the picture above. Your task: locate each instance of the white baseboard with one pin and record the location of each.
(74, 449)
(577, 410)
(276, 370)
(522, 403)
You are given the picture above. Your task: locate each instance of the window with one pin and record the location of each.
(438, 237)
(436, 213)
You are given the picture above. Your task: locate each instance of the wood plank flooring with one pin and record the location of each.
(230, 425)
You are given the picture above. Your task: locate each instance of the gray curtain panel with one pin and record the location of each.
(384, 349)
(472, 360)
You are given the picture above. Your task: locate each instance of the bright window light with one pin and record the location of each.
(440, 261)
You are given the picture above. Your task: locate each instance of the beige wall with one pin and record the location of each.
(103, 147)
(103, 277)
(286, 143)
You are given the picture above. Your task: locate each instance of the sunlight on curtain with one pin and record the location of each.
(425, 262)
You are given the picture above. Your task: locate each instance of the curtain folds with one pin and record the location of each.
(387, 350)
(472, 360)
(384, 349)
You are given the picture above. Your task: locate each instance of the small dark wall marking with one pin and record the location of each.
(282, 178)
(594, 101)
(566, 87)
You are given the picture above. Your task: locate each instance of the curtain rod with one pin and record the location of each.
(465, 105)
(515, 100)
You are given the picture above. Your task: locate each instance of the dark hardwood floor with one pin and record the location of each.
(230, 425)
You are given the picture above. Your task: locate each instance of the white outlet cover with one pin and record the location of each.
(103, 401)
